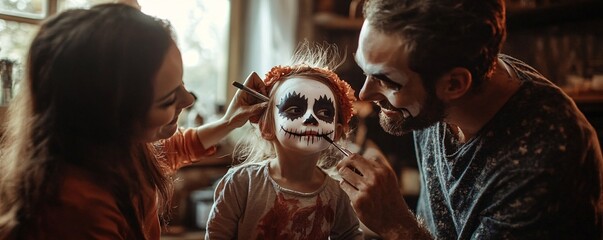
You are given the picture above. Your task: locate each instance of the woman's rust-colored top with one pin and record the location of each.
(88, 211)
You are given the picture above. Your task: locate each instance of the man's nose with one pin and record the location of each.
(311, 120)
(371, 90)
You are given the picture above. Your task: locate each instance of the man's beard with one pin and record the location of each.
(431, 113)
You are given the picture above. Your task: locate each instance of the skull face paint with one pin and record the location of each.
(304, 112)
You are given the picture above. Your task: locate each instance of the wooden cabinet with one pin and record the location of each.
(329, 21)
(564, 42)
(591, 105)
(554, 14)
(559, 40)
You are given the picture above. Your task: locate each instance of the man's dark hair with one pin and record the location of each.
(443, 34)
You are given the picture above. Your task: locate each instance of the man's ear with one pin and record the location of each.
(338, 132)
(454, 84)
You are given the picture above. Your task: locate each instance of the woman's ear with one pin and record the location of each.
(454, 84)
(338, 132)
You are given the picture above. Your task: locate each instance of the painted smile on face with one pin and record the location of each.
(304, 114)
(310, 136)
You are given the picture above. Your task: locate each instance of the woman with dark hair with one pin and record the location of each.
(92, 136)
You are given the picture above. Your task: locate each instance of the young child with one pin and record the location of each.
(280, 192)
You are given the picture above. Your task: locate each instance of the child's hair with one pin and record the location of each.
(311, 61)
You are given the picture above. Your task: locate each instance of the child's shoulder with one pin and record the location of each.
(246, 170)
(244, 175)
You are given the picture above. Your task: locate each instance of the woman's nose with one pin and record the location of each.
(187, 100)
(371, 90)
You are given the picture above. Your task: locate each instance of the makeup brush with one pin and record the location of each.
(258, 95)
(250, 91)
(345, 152)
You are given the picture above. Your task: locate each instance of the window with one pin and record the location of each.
(67, 4)
(18, 24)
(201, 28)
(35, 9)
(14, 39)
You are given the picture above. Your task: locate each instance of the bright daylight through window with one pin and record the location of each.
(201, 28)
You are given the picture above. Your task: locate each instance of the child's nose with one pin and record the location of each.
(311, 120)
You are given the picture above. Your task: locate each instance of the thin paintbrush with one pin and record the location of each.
(250, 91)
(264, 98)
(345, 152)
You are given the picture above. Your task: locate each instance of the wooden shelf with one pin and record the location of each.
(554, 14)
(585, 96)
(337, 22)
(192, 235)
(516, 18)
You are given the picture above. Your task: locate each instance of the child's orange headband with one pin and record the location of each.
(342, 89)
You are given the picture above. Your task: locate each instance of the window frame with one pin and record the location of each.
(233, 46)
(51, 10)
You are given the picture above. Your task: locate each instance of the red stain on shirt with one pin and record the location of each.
(287, 220)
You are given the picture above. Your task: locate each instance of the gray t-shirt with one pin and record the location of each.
(251, 205)
(532, 172)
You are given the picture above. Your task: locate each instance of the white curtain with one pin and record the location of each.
(264, 35)
(271, 34)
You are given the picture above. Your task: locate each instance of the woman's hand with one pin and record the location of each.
(244, 106)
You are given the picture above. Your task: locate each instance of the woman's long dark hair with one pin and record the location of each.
(89, 84)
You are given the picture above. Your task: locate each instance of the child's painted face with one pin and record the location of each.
(305, 111)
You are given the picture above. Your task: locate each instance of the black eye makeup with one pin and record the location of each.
(384, 81)
(292, 106)
(324, 109)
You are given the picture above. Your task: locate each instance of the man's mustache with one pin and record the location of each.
(386, 105)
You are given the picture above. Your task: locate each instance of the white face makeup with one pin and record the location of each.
(392, 85)
(304, 112)
(378, 58)
(380, 69)
(391, 80)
